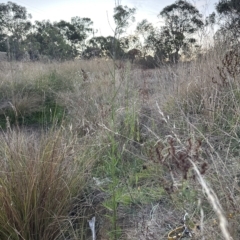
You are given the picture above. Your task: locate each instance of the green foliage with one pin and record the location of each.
(144, 28)
(76, 31)
(14, 27)
(228, 7)
(51, 42)
(112, 162)
(145, 31)
(60, 40)
(108, 46)
(112, 46)
(229, 11)
(182, 20)
(122, 16)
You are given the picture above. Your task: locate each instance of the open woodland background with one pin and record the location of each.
(141, 132)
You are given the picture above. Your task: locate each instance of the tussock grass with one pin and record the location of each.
(40, 177)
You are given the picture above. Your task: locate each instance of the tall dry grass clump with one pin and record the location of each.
(39, 179)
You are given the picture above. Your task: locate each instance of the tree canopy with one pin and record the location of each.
(182, 20)
(122, 17)
(14, 26)
(63, 40)
(229, 11)
(108, 45)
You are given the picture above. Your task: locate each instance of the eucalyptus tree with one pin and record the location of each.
(76, 31)
(112, 46)
(60, 40)
(229, 11)
(83, 28)
(145, 32)
(48, 40)
(182, 20)
(14, 26)
(123, 16)
(109, 46)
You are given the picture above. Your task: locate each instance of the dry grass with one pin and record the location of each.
(40, 177)
(164, 142)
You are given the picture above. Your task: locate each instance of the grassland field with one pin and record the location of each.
(144, 151)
